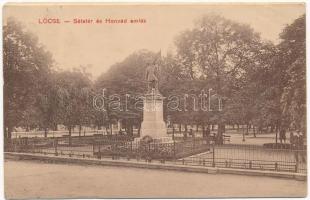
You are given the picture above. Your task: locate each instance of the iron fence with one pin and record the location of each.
(157, 149)
(192, 151)
(253, 157)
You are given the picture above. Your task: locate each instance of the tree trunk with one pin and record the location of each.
(9, 132)
(45, 132)
(203, 130)
(254, 133)
(173, 132)
(70, 139)
(131, 130)
(139, 129)
(55, 128)
(110, 127)
(126, 126)
(271, 128)
(243, 137)
(107, 130)
(220, 131)
(129, 127)
(80, 129)
(277, 130)
(180, 127)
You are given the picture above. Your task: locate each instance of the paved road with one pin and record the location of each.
(26, 179)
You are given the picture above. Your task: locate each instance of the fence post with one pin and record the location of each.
(250, 164)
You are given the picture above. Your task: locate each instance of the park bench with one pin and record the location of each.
(226, 138)
(97, 134)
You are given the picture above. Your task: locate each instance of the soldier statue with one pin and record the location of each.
(151, 76)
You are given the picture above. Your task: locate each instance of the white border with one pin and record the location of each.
(148, 2)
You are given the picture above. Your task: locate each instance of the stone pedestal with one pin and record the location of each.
(153, 123)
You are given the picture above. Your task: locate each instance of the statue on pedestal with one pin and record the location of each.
(151, 76)
(153, 125)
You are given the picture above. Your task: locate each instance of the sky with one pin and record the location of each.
(99, 46)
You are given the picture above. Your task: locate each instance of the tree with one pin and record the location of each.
(26, 64)
(274, 90)
(293, 61)
(124, 82)
(74, 99)
(219, 51)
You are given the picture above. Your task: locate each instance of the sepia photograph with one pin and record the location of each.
(154, 100)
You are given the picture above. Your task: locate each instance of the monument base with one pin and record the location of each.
(154, 129)
(153, 124)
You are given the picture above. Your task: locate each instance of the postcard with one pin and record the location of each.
(154, 100)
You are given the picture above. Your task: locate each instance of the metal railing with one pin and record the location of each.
(253, 157)
(192, 151)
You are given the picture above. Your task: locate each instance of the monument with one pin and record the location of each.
(153, 124)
